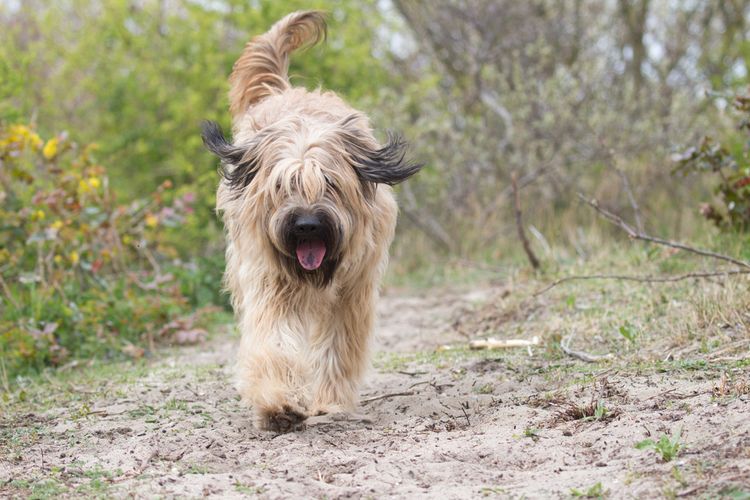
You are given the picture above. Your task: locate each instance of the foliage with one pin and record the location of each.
(139, 77)
(80, 274)
(730, 165)
(667, 447)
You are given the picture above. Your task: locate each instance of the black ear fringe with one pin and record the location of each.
(236, 168)
(387, 165)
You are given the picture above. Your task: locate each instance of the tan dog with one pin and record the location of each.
(309, 217)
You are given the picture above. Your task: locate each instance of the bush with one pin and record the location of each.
(80, 274)
(729, 164)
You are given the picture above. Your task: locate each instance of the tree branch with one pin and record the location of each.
(642, 279)
(639, 235)
(533, 260)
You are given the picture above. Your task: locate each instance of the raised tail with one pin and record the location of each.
(262, 68)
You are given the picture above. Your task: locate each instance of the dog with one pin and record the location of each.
(309, 214)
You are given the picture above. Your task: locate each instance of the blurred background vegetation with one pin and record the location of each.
(109, 242)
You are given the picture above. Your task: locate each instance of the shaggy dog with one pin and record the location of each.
(309, 215)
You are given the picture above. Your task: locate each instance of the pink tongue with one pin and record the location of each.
(310, 253)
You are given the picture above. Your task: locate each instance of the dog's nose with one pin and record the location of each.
(307, 225)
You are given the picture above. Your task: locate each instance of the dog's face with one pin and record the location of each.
(307, 187)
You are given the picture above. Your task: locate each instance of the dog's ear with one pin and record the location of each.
(238, 164)
(384, 165)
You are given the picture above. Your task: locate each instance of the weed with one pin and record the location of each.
(485, 389)
(492, 490)
(532, 433)
(629, 332)
(247, 489)
(667, 447)
(198, 469)
(176, 405)
(595, 491)
(593, 411)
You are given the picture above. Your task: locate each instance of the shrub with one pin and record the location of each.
(730, 166)
(80, 274)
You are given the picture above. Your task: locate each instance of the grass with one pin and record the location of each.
(248, 489)
(595, 491)
(701, 324)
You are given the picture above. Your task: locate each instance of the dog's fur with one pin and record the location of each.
(299, 153)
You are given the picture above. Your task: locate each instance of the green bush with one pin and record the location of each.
(82, 275)
(729, 164)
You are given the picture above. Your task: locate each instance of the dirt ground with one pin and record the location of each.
(433, 424)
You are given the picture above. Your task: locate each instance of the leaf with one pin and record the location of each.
(646, 443)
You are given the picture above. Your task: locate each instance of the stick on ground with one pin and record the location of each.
(583, 356)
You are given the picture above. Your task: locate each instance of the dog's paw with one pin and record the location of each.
(281, 421)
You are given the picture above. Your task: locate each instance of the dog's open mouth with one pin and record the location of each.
(310, 253)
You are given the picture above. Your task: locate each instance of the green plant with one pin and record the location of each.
(668, 447)
(629, 332)
(595, 491)
(730, 165)
(532, 433)
(81, 275)
(600, 411)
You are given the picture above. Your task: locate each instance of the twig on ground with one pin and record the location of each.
(464, 407)
(492, 343)
(583, 356)
(639, 235)
(642, 279)
(533, 260)
(386, 396)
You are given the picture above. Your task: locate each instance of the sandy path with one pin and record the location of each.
(474, 424)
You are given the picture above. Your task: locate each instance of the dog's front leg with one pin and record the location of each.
(339, 352)
(271, 376)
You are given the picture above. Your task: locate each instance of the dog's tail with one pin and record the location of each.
(262, 68)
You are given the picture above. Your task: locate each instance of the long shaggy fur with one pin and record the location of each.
(300, 154)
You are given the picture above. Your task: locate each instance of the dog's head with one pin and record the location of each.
(307, 187)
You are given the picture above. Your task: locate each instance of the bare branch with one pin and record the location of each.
(386, 396)
(639, 235)
(631, 198)
(583, 356)
(533, 260)
(642, 279)
(423, 221)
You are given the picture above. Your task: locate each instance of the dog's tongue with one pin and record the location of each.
(310, 253)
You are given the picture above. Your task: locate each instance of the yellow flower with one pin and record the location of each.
(73, 257)
(83, 186)
(35, 141)
(58, 259)
(57, 225)
(152, 220)
(50, 149)
(94, 182)
(38, 215)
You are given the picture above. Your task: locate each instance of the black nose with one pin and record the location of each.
(307, 225)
